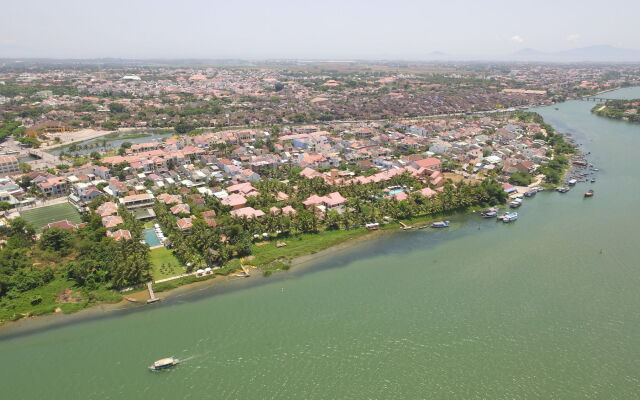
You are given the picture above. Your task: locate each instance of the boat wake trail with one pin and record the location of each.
(187, 359)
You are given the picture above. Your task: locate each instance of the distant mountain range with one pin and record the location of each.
(602, 53)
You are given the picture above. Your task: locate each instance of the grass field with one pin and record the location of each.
(47, 302)
(172, 266)
(42, 216)
(302, 244)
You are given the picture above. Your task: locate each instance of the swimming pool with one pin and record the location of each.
(151, 238)
(395, 191)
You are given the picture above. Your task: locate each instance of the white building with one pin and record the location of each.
(9, 165)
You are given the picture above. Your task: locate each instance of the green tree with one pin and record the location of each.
(24, 167)
(116, 108)
(521, 178)
(56, 239)
(183, 127)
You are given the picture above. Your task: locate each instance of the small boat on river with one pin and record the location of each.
(510, 217)
(531, 193)
(517, 202)
(164, 363)
(440, 224)
(588, 193)
(562, 189)
(489, 213)
(572, 182)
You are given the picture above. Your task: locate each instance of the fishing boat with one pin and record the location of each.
(440, 224)
(562, 189)
(572, 182)
(531, 193)
(510, 217)
(164, 363)
(489, 213)
(515, 204)
(373, 226)
(588, 193)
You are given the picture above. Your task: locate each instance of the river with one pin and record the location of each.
(112, 142)
(547, 307)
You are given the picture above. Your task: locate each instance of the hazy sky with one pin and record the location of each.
(309, 29)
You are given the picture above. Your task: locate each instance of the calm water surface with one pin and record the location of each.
(96, 144)
(483, 310)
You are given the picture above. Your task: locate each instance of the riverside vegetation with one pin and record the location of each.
(626, 110)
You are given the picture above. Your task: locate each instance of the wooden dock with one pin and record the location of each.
(152, 296)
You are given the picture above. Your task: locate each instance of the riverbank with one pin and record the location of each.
(276, 255)
(622, 110)
(266, 257)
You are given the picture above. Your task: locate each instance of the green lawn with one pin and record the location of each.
(172, 266)
(15, 308)
(42, 216)
(300, 245)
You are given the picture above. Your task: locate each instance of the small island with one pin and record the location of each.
(625, 110)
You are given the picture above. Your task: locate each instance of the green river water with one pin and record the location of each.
(482, 310)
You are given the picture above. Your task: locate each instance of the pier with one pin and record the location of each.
(152, 296)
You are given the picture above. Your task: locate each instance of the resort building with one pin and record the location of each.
(120, 234)
(9, 165)
(137, 201)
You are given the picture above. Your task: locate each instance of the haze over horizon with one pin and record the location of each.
(294, 29)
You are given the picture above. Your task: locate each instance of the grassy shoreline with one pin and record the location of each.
(266, 256)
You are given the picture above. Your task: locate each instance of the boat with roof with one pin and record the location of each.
(515, 203)
(489, 213)
(509, 217)
(164, 363)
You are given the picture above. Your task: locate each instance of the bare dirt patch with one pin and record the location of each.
(68, 296)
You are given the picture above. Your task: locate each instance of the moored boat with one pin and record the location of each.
(572, 182)
(588, 193)
(164, 363)
(440, 224)
(489, 213)
(510, 217)
(562, 189)
(515, 203)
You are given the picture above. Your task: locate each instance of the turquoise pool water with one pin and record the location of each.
(395, 191)
(151, 238)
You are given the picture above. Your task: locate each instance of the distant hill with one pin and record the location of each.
(528, 52)
(437, 55)
(601, 53)
(604, 52)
